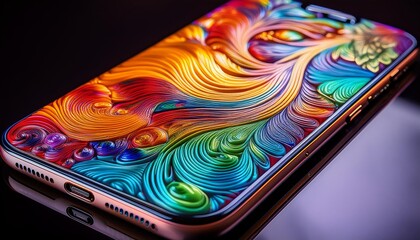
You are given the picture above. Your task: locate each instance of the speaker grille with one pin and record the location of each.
(33, 172)
(132, 216)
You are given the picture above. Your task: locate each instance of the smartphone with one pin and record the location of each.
(186, 138)
(255, 224)
(108, 225)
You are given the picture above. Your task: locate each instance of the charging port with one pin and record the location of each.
(79, 215)
(79, 192)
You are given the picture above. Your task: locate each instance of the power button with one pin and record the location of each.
(355, 112)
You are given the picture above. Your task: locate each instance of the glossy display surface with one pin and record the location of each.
(190, 123)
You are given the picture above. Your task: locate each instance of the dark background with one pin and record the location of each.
(48, 48)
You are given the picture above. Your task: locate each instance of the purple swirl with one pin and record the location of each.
(39, 149)
(55, 139)
(84, 154)
(68, 163)
(28, 137)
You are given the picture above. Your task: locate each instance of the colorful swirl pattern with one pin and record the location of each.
(192, 122)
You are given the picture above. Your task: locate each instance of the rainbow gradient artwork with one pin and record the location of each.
(190, 123)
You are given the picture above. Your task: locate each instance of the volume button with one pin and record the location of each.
(355, 112)
(395, 74)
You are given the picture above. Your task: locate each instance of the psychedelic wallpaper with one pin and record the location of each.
(190, 123)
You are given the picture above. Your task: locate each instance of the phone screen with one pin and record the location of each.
(191, 124)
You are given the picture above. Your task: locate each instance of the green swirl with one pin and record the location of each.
(341, 90)
(185, 197)
(217, 161)
(216, 164)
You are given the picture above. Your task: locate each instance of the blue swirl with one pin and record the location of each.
(138, 155)
(125, 178)
(110, 148)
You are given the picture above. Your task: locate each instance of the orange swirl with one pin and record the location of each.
(148, 137)
(87, 114)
